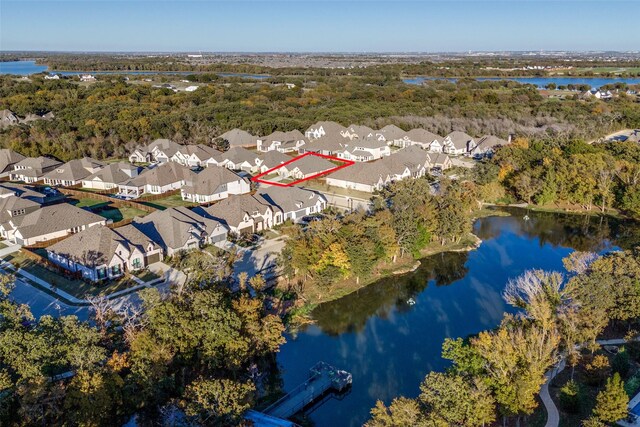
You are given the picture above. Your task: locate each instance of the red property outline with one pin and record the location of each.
(346, 163)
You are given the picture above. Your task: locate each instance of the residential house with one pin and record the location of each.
(323, 128)
(161, 179)
(366, 177)
(73, 172)
(329, 145)
(180, 229)
(284, 142)
(140, 155)
(195, 155)
(634, 136)
(237, 158)
(239, 138)
(24, 191)
(364, 150)
(392, 134)
(598, 94)
(110, 176)
(358, 131)
(271, 159)
(102, 253)
(305, 167)
(11, 207)
(245, 214)
(423, 138)
(440, 162)
(214, 183)
(49, 223)
(487, 145)
(162, 150)
(293, 202)
(8, 118)
(33, 169)
(410, 162)
(457, 143)
(8, 158)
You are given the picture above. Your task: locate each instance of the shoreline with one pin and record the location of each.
(303, 315)
(306, 310)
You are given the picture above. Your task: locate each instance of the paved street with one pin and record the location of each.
(42, 303)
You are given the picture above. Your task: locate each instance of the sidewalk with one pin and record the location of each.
(168, 275)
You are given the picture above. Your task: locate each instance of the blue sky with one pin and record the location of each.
(318, 26)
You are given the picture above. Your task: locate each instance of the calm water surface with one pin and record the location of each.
(25, 68)
(541, 82)
(389, 345)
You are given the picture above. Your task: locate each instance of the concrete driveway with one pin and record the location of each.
(258, 260)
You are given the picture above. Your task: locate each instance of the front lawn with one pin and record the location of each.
(146, 276)
(75, 287)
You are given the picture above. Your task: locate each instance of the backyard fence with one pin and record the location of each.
(47, 243)
(115, 202)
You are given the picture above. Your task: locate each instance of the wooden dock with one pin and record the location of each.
(323, 378)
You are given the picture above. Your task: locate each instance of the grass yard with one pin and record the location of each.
(75, 287)
(168, 202)
(107, 210)
(146, 276)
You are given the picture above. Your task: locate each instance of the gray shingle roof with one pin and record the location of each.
(392, 132)
(231, 211)
(239, 155)
(171, 227)
(459, 139)
(92, 247)
(239, 138)
(273, 158)
(422, 135)
(289, 198)
(208, 181)
(8, 158)
(37, 164)
(115, 173)
(75, 170)
(330, 128)
(311, 164)
(164, 174)
(50, 219)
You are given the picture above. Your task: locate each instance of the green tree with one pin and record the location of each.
(458, 401)
(218, 401)
(612, 402)
(402, 412)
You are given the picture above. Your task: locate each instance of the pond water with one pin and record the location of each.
(26, 68)
(389, 345)
(541, 82)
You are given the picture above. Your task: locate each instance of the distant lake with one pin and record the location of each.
(26, 68)
(540, 82)
(21, 68)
